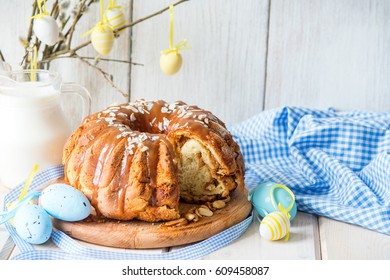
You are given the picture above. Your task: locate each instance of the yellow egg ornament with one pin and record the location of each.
(102, 38)
(275, 226)
(102, 34)
(114, 16)
(170, 63)
(170, 59)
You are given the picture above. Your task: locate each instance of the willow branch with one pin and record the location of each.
(58, 46)
(114, 60)
(148, 17)
(83, 6)
(116, 31)
(91, 58)
(54, 12)
(2, 56)
(30, 31)
(106, 75)
(76, 19)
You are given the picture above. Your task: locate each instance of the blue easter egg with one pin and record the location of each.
(262, 201)
(33, 224)
(65, 203)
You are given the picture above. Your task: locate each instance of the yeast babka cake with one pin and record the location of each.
(137, 160)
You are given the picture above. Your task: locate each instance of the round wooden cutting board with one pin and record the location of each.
(139, 234)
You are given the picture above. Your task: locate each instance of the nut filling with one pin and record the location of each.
(197, 213)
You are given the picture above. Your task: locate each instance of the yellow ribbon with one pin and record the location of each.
(283, 210)
(100, 24)
(182, 44)
(26, 185)
(179, 47)
(42, 12)
(112, 5)
(33, 64)
(271, 194)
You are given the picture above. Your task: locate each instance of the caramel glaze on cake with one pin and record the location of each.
(136, 160)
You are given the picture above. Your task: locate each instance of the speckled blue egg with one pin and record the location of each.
(33, 224)
(261, 200)
(65, 203)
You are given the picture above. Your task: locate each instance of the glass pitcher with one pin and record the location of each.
(33, 124)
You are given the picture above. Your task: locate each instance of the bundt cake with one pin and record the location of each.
(136, 160)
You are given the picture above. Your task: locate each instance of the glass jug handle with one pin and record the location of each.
(82, 92)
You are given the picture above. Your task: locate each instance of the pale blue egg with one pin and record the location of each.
(33, 224)
(262, 201)
(65, 203)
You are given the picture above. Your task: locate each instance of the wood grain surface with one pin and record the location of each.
(139, 234)
(223, 71)
(329, 54)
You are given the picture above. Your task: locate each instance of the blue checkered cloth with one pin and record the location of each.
(336, 163)
(70, 249)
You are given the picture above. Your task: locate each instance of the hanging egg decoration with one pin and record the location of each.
(170, 59)
(171, 62)
(102, 38)
(267, 197)
(275, 226)
(33, 224)
(114, 15)
(115, 18)
(102, 34)
(45, 27)
(46, 30)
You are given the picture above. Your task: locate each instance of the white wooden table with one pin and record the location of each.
(312, 238)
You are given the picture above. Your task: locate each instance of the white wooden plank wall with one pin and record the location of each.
(248, 56)
(332, 53)
(325, 53)
(224, 70)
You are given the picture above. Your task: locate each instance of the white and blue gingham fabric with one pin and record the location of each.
(336, 163)
(70, 249)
